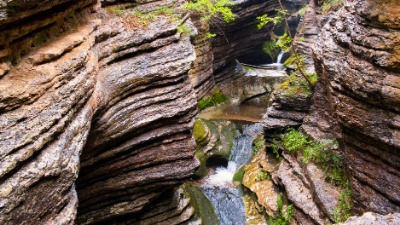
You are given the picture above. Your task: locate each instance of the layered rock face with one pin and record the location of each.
(82, 90)
(358, 60)
(356, 101)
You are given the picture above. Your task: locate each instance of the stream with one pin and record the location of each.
(224, 195)
(218, 186)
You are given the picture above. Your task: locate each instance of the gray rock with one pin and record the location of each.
(370, 218)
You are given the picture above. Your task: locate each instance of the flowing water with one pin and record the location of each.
(218, 186)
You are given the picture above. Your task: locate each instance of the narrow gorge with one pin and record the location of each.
(200, 112)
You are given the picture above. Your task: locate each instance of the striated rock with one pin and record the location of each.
(84, 90)
(201, 74)
(357, 59)
(326, 195)
(370, 218)
(299, 194)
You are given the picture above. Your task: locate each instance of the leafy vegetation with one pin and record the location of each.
(293, 87)
(275, 148)
(212, 9)
(263, 175)
(271, 48)
(216, 98)
(183, 29)
(320, 152)
(258, 143)
(343, 209)
(238, 176)
(208, 9)
(284, 42)
(284, 216)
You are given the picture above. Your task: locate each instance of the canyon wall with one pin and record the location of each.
(83, 91)
(355, 52)
(358, 58)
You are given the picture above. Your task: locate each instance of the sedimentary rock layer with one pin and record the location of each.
(84, 90)
(358, 59)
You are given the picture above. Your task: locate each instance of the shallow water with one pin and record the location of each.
(218, 186)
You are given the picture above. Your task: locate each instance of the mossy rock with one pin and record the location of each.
(294, 87)
(204, 210)
(238, 176)
(201, 132)
(214, 98)
(218, 144)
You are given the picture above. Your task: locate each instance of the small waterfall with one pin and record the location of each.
(279, 58)
(219, 188)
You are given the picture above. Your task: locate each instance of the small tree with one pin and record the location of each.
(284, 41)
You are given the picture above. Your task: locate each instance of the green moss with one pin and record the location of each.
(248, 67)
(224, 134)
(184, 30)
(215, 98)
(258, 143)
(285, 216)
(293, 87)
(320, 152)
(343, 209)
(202, 170)
(239, 174)
(271, 48)
(199, 132)
(204, 210)
(263, 175)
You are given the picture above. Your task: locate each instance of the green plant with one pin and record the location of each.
(199, 132)
(343, 209)
(284, 216)
(183, 29)
(212, 9)
(271, 48)
(258, 143)
(294, 141)
(275, 148)
(320, 152)
(263, 175)
(284, 42)
(293, 87)
(216, 98)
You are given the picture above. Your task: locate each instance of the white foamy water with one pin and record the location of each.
(222, 176)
